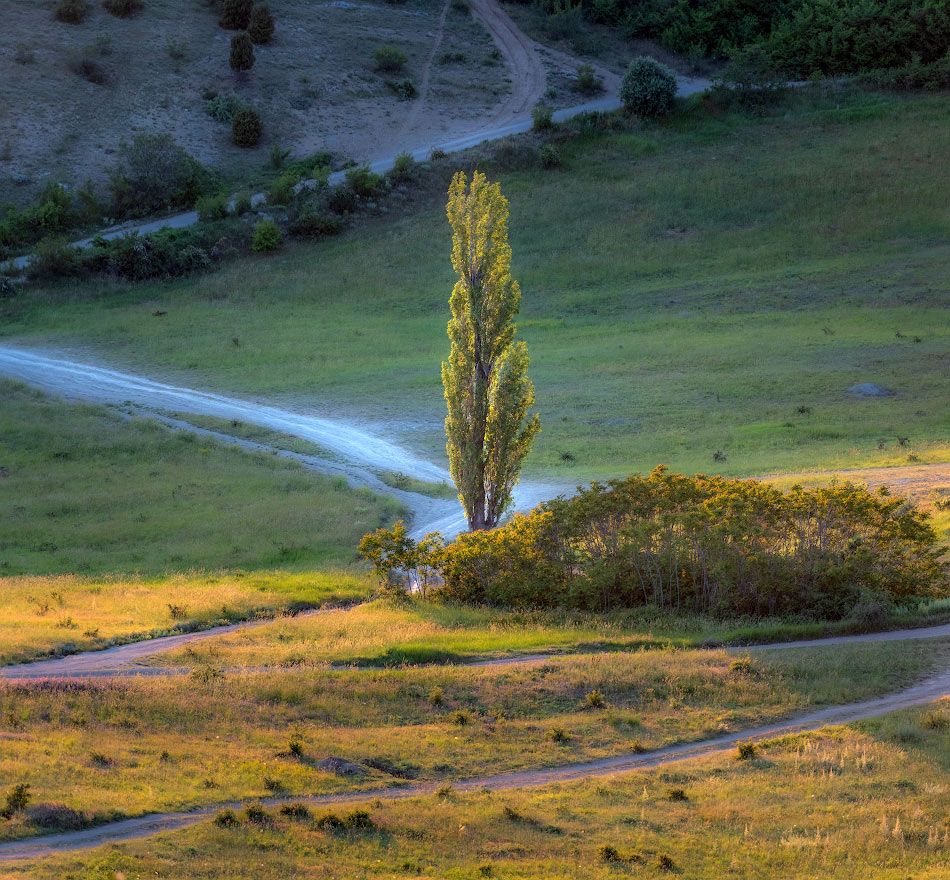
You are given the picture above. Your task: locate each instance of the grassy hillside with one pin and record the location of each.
(712, 284)
(829, 804)
(84, 491)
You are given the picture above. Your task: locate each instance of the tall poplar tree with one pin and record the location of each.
(487, 390)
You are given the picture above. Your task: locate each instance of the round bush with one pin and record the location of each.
(235, 14)
(122, 8)
(242, 53)
(246, 128)
(267, 237)
(71, 11)
(261, 26)
(648, 88)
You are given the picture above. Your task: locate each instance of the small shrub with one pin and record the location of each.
(261, 26)
(871, 612)
(85, 65)
(936, 721)
(665, 863)
(56, 817)
(17, 800)
(212, 208)
(295, 748)
(267, 237)
(460, 718)
(55, 258)
(542, 117)
(558, 735)
(7, 287)
(281, 191)
(235, 14)
(246, 128)
(648, 88)
(389, 59)
(365, 184)
(404, 89)
(177, 612)
(746, 751)
(677, 794)
(609, 854)
(404, 167)
(257, 814)
(444, 791)
(154, 173)
(587, 82)
(296, 811)
(72, 11)
(122, 8)
(341, 200)
(278, 156)
(226, 819)
(451, 58)
(241, 57)
(743, 665)
(437, 154)
(358, 820)
(550, 158)
(222, 108)
(594, 700)
(315, 224)
(436, 696)
(98, 759)
(176, 49)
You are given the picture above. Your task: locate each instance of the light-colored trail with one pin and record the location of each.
(922, 693)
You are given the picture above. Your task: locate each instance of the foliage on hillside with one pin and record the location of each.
(702, 544)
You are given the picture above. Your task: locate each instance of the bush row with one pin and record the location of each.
(702, 544)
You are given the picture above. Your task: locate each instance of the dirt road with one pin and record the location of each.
(130, 829)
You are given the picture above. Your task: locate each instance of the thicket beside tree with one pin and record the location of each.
(487, 390)
(242, 53)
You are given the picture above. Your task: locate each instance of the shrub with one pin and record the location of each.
(122, 8)
(587, 82)
(261, 26)
(389, 59)
(17, 799)
(7, 287)
(404, 89)
(55, 258)
(257, 814)
(226, 819)
(235, 14)
(267, 237)
(296, 811)
(594, 700)
(242, 53)
(559, 735)
(154, 173)
(871, 612)
(550, 156)
(358, 820)
(341, 200)
(212, 208)
(169, 253)
(746, 751)
(72, 11)
(403, 169)
(89, 68)
(751, 82)
(365, 183)
(677, 794)
(281, 191)
(542, 117)
(609, 854)
(222, 108)
(315, 224)
(246, 128)
(648, 88)
(436, 696)
(56, 817)
(704, 544)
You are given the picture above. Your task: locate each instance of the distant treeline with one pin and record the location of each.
(699, 544)
(799, 37)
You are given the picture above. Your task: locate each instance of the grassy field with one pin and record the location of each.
(52, 615)
(383, 634)
(87, 492)
(712, 284)
(132, 746)
(848, 802)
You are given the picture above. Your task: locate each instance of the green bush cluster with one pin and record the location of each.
(696, 544)
(169, 253)
(800, 37)
(152, 174)
(260, 28)
(222, 108)
(267, 237)
(55, 211)
(389, 59)
(241, 57)
(235, 14)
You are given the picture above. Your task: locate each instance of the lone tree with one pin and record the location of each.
(242, 52)
(487, 389)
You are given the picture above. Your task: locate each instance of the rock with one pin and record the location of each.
(869, 389)
(341, 767)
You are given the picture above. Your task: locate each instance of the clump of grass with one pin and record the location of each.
(357, 821)
(665, 863)
(593, 700)
(258, 815)
(559, 735)
(436, 696)
(935, 720)
(542, 117)
(389, 59)
(461, 718)
(296, 811)
(227, 819)
(743, 665)
(609, 854)
(295, 748)
(123, 8)
(72, 11)
(678, 795)
(746, 751)
(100, 760)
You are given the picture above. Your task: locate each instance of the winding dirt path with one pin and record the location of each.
(927, 691)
